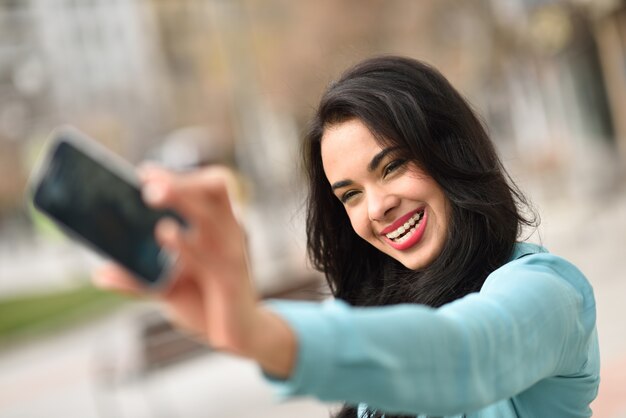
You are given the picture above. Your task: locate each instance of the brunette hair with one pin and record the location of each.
(408, 104)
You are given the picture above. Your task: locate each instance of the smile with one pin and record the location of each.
(408, 233)
(402, 233)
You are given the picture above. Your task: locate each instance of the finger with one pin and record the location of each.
(151, 169)
(171, 236)
(185, 306)
(209, 185)
(114, 277)
(200, 197)
(216, 269)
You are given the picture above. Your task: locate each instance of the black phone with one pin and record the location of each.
(93, 195)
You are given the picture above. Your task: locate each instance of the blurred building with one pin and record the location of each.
(609, 24)
(245, 75)
(95, 64)
(194, 62)
(19, 97)
(103, 65)
(552, 105)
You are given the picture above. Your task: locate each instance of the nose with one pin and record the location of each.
(380, 204)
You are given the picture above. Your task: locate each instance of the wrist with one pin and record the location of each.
(274, 344)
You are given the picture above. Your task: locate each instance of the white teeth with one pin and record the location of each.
(409, 225)
(404, 238)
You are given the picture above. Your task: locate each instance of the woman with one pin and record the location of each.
(409, 207)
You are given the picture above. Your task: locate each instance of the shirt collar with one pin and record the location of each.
(522, 249)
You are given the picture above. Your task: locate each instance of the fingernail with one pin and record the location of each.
(147, 169)
(153, 193)
(168, 227)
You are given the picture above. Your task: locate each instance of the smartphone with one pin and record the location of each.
(93, 195)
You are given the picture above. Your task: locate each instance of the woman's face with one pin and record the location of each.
(391, 203)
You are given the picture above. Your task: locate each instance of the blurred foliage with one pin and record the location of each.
(34, 315)
(43, 225)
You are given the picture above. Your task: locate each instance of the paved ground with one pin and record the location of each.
(91, 371)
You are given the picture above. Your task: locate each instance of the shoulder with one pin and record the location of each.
(530, 260)
(533, 270)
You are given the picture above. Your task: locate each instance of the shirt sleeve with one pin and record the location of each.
(533, 318)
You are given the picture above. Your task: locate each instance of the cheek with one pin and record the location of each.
(359, 224)
(444, 212)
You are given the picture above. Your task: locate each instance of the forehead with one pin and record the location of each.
(346, 145)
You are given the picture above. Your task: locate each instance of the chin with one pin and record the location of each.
(417, 262)
(416, 266)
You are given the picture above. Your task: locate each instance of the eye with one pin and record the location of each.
(345, 197)
(393, 166)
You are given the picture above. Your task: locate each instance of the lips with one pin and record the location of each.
(407, 230)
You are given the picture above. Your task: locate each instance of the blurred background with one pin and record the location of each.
(195, 82)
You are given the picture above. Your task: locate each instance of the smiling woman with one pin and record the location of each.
(438, 309)
(391, 203)
(445, 163)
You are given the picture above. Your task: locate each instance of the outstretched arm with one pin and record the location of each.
(533, 319)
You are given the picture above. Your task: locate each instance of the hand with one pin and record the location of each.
(181, 299)
(211, 293)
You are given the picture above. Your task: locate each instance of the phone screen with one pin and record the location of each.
(103, 209)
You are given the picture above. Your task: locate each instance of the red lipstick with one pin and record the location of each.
(414, 238)
(399, 222)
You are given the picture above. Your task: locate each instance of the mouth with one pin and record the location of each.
(408, 233)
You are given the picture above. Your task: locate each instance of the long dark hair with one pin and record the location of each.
(409, 104)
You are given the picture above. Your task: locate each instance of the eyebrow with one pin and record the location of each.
(373, 165)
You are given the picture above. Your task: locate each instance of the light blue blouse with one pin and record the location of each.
(524, 346)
